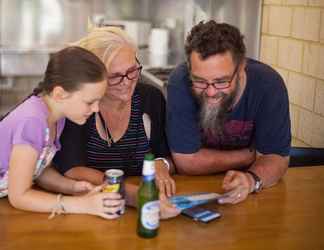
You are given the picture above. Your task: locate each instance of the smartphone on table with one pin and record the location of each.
(201, 214)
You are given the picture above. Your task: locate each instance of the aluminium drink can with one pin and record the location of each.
(114, 183)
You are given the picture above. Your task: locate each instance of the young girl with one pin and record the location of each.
(74, 82)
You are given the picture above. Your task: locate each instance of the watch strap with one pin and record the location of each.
(257, 181)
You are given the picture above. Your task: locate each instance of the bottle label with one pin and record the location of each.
(148, 168)
(150, 217)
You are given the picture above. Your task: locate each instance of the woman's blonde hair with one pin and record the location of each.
(105, 42)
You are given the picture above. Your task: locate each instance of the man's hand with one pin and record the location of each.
(238, 186)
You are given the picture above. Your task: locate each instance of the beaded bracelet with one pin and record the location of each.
(58, 207)
(165, 161)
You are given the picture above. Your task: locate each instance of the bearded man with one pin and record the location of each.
(226, 112)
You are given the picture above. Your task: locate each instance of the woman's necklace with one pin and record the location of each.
(118, 120)
(109, 138)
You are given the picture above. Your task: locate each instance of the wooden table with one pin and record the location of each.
(287, 216)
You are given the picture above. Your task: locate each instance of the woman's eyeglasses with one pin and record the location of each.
(131, 74)
(218, 84)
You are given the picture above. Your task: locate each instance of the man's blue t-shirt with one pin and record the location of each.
(259, 120)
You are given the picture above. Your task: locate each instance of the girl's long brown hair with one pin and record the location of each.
(69, 68)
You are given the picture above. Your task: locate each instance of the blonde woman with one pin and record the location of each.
(129, 124)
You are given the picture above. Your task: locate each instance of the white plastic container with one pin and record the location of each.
(159, 41)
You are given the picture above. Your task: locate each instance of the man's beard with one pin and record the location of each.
(212, 118)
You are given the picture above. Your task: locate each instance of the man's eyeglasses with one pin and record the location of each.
(131, 74)
(217, 84)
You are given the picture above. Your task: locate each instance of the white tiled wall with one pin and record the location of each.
(295, 2)
(322, 28)
(272, 1)
(290, 54)
(301, 90)
(316, 3)
(319, 98)
(292, 42)
(279, 20)
(312, 59)
(269, 49)
(306, 23)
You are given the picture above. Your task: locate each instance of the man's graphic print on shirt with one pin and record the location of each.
(237, 134)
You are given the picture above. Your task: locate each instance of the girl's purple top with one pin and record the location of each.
(27, 125)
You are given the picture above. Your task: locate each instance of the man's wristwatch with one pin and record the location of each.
(257, 182)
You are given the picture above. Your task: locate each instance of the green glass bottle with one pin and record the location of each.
(148, 201)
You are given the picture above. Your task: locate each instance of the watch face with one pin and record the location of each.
(257, 181)
(258, 186)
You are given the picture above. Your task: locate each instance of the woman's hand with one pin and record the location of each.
(163, 179)
(81, 187)
(105, 205)
(167, 210)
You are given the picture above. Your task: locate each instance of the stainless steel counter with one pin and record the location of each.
(25, 61)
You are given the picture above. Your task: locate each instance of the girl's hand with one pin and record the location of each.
(163, 179)
(105, 205)
(167, 210)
